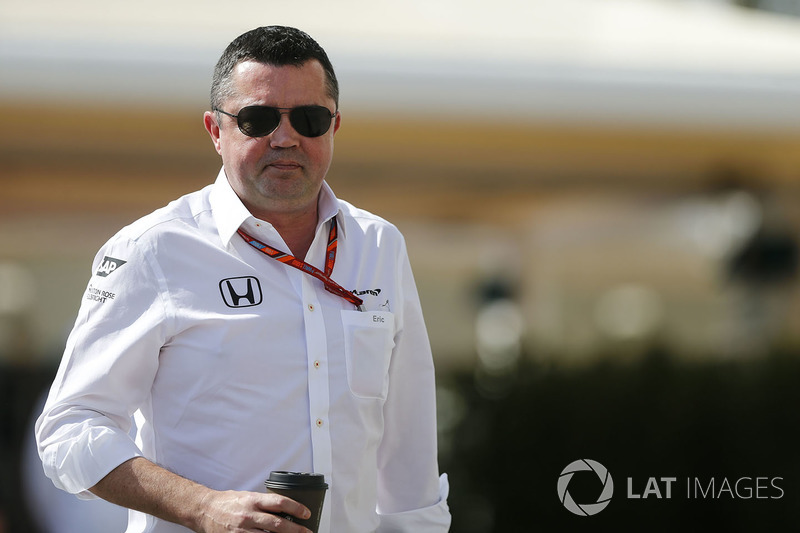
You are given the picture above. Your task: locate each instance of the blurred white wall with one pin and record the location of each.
(643, 61)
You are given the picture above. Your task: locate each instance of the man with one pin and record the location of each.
(258, 324)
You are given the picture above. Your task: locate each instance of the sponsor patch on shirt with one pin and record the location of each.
(244, 291)
(374, 292)
(99, 295)
(109, 265)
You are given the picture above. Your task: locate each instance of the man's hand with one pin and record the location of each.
(232, 511)
(144, 486)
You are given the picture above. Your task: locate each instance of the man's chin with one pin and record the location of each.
(289, 196)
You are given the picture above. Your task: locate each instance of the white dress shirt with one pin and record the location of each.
(233, 364)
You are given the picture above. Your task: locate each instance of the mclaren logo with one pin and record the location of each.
(373, 292)
(244, 291)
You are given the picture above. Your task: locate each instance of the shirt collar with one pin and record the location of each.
(230, 213)
(329, 207)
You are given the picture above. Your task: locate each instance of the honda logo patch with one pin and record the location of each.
(244, 291)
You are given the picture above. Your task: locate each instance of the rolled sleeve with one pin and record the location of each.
(409, 496)
(106, 372)
(76, 463)
(433, 519)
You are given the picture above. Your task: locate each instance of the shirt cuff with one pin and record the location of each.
(433, 519)
(79, 464)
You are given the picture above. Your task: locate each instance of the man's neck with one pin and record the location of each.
(297, 228)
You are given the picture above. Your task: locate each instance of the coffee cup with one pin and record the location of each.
(303, 487)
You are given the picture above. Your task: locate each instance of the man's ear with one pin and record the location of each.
(337, 122)
(212, 127)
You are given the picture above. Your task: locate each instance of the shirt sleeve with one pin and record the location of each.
(411, 495)
(106, 373)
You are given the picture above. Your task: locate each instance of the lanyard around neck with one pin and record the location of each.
(330, 259)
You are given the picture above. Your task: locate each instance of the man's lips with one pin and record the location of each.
(284, 164)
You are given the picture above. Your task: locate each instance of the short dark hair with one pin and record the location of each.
(271, 45)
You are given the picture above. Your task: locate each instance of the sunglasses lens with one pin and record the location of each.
(310, 121)
(258, 121)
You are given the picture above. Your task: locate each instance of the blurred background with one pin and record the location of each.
(601, 201)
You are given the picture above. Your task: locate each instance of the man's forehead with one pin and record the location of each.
(251, 67)
(258, 83)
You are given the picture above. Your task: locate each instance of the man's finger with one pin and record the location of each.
(276, 502)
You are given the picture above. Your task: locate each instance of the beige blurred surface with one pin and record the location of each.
(567, 213)
(604, 161)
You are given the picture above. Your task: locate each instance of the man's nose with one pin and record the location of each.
(284, 136)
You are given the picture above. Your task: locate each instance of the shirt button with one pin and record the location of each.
(316, 364)
(319, 422)
(310, 307)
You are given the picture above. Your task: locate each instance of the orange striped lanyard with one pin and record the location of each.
(330, 259)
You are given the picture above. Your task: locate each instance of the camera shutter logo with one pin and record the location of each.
(585, 509)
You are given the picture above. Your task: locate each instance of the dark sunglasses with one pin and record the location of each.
(261, 120)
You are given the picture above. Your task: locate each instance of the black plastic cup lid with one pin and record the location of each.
(279, 479)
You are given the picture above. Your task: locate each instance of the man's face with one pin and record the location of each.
(282, 172)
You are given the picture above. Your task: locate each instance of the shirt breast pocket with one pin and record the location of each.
(368, 344)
